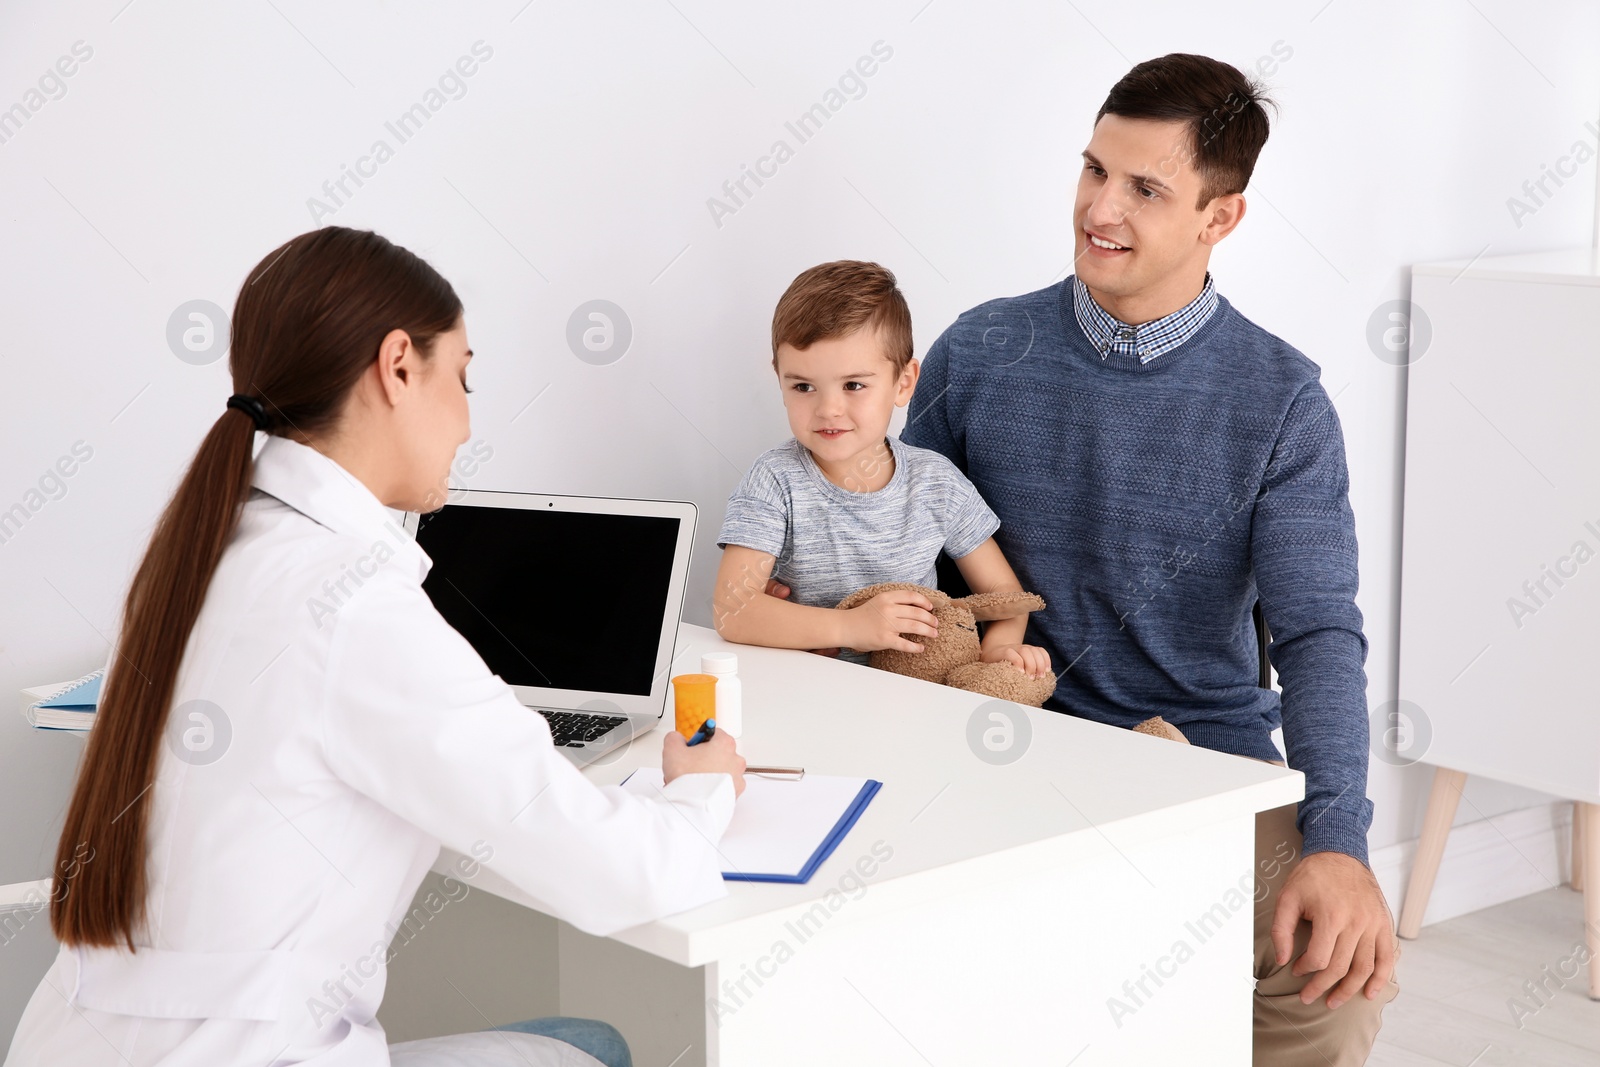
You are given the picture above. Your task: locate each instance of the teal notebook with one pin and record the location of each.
(81, 695)
(73, 708)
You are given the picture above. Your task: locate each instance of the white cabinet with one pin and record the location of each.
(1500, 572)
(1500, 558)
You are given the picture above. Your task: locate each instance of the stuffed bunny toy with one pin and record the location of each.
(952, 658)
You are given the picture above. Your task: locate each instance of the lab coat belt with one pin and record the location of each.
(166, 984)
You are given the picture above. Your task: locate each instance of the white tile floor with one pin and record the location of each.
(1460, 983)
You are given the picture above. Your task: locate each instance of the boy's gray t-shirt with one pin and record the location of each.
(830, 541)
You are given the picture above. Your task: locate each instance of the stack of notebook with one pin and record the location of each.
(65, 707)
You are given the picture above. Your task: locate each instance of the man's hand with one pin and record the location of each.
(1030, 659)
(781, 591)
(1352, 932)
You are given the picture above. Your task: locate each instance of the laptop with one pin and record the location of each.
(573, 601)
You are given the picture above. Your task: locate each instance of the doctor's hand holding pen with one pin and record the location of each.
(717, 755)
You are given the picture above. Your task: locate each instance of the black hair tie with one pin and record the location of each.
(250, 406)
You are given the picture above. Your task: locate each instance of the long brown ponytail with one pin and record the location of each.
(307, 324)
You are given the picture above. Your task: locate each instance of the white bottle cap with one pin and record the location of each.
(719, 663)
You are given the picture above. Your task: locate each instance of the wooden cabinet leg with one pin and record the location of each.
(1442, 802)
(1591, 892)
(1577, 882)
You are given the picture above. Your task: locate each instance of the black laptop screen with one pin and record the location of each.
(561, 600)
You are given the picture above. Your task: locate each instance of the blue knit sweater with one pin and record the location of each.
(1151, 505)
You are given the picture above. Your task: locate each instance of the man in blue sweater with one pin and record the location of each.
(1159, 463)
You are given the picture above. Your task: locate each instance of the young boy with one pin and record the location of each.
(843, 505)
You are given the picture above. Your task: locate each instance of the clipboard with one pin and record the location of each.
(781, 831)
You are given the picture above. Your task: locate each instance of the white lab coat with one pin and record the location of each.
(357, 734)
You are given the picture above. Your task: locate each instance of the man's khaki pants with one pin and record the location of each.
(1287, 1032)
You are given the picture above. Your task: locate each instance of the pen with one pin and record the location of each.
(793, 773)
(706, 732)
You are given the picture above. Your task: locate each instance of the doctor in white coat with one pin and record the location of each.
(267, 784)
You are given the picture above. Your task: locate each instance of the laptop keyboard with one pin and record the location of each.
(574, 729)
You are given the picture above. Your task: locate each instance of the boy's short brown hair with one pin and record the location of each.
(836, 299)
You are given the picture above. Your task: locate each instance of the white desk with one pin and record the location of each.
(1014, 902)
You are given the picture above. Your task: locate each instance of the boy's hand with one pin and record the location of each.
(1030, 659)
(880, 621)
(781, 591)
(716, 756)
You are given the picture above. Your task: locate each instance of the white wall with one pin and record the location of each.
(577, 165)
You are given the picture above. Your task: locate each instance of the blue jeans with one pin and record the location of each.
(598, 1039)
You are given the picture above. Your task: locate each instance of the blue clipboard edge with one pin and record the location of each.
(869, 789)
